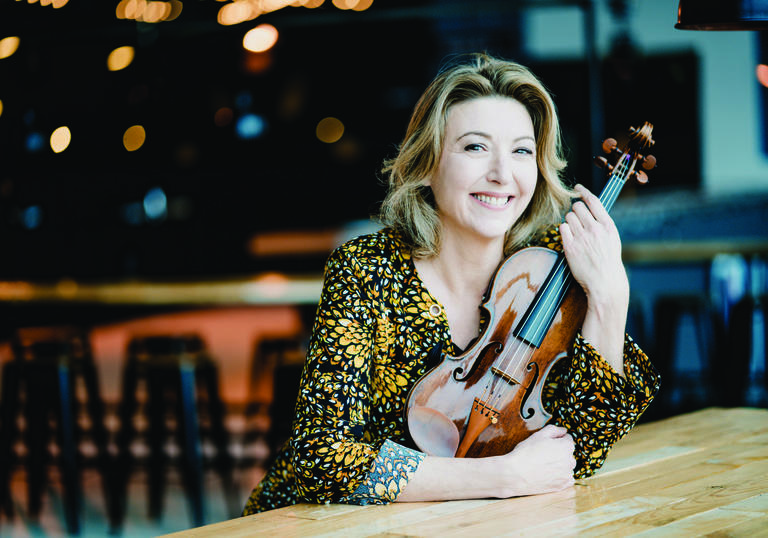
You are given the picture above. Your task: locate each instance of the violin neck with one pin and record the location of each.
(535, 322)
(616, 182)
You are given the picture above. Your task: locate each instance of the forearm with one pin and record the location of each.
(439, 479)
(540, 464)
(604, 327)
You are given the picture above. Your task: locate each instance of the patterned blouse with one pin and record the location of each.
(371, 342)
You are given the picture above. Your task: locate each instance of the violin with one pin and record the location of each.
(488, 399)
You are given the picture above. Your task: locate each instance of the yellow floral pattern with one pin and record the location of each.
(375, 328)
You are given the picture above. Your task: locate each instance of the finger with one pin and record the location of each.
(593, 203)
(555, 432)
(574, 221)
(581, 210)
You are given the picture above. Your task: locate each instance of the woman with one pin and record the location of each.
(476, 178)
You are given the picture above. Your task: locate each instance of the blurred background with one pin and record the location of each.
(173, 175)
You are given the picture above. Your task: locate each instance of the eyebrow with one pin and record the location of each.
(486, 135)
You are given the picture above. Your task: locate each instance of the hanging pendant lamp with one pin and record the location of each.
(722, 15)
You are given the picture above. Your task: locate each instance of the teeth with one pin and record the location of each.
(497, 201)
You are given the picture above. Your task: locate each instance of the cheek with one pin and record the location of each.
(530, 179)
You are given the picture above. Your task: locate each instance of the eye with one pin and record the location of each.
(474, 147)
(523, 151)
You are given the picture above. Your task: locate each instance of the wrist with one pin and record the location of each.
(607, 302)
(506, 475)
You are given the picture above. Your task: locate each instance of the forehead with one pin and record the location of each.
(496, 113)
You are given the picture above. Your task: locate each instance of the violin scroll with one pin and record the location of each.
(639, 139)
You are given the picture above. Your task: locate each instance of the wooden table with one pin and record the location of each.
(694, 474)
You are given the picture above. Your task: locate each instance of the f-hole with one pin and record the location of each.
(458, 371)
(526, 414)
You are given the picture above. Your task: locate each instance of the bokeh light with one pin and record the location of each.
(237, 12)
(176, 7)
(31, 217)
(148, 11)
(8, 46)
(761, 71)
(155, 204)
(362, 5)
(34, 142)
(261, 38)
(120, 58)
(356, 5)
(329, 130)
(1, 107)
(60, 139)
(134, 137)
(223, 116)
(250, 126)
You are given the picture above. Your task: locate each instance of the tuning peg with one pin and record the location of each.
(602, 162)
(640, 176)
(609, 144)
(649, 162)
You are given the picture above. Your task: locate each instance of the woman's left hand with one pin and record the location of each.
(592, 247)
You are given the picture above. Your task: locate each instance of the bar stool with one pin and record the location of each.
(684, 388)
(743, 382)
(283, 358)
(170, 383)
(53, 376)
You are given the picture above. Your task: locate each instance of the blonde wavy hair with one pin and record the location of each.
(409, 206)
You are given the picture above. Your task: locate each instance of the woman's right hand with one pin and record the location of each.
(541, 464)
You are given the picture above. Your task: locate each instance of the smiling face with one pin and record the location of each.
(487, 171)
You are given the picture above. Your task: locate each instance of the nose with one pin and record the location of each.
(500, 168)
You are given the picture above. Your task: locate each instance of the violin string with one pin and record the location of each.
(523, 353)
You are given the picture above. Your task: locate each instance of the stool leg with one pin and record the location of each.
(217, 417)
(126, 433)
(37, 406)
(9, 403)
(705, 335)
(736, 376)
(68, 445)
(193, 476)
(157, 434)
(665, 326)
(101, 438)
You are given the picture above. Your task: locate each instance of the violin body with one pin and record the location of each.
(486, 400)
(500, 369)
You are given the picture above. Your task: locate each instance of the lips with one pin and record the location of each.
(492, 200)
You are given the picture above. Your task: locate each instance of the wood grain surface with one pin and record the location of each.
(702, 473)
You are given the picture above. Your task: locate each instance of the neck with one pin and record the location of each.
(465, 263)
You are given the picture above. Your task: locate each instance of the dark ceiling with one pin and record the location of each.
(367, 69)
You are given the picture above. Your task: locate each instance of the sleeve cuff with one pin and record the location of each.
(639, 371)
(392, 468)
(640, 377)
